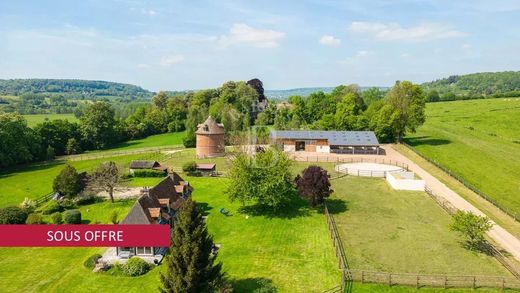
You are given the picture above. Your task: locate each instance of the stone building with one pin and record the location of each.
(210, 139)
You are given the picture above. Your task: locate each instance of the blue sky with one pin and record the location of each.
(175, 45)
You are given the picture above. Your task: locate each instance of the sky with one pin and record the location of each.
(179, 45)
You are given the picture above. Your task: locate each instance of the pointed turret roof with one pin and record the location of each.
(210, 126)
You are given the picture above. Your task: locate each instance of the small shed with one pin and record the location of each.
(208, 169)
(147, 165)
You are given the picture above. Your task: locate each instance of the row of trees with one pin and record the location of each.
(390, 115)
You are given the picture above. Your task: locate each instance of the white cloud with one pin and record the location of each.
(358, 56)
(171, 60)
(329, 40)
(362, 53)
(466, 47)
(150, 12)
(143, 65)
(395, 32)
(405, 55)
(241, 33)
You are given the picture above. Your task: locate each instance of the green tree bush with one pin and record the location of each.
(90, 262)
(190, 266)
(50, 207)
(472, 226)
(72, 217)
(56, 218)
(34, 218)
(12, 215)
(136, 267)
(68, 182)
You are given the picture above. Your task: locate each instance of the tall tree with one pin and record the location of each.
(67, 182)
(407, 101)
(98, 125)
(160, 100)
(263, 179)
(191, 267)
(18, 142)
(314, 185)
(105, 178)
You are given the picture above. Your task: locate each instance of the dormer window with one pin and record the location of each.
(206, 128)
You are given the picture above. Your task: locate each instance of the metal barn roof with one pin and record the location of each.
(353, 138)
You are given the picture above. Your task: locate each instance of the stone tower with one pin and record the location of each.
(210, 139)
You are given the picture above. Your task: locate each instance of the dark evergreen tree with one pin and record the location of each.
(190, 265)
(314, 185)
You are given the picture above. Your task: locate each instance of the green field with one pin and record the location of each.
(34, 119)
(159, 140)
(478, 140)
(401, 232)
(292, 251)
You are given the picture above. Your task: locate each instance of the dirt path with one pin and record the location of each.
(505, 239)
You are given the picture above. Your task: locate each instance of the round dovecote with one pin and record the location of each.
(210, 139)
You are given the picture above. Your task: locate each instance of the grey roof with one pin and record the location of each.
(353, 138)
(141, 164)
(140, 213)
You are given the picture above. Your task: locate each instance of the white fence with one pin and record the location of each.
(404, 181)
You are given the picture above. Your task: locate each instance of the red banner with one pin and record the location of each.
(84, 235)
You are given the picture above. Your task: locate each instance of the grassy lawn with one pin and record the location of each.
(159, 140)
(369, 288)
(36, 180)
(292, 251)
(479, 140)
(402, 232)
(34, 119)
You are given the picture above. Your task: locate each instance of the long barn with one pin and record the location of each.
(341, 142)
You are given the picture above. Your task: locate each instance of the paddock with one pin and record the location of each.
(367, 169)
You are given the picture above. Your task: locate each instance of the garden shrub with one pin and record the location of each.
(72, 217)
(148, 173)
(28, 205)
(51, 207)
(86, 198)
(34, 218)
(56, 218)
(190, 168)
(113, 217)
(67, 204)
(90, 263)
(136, 267)
(12, 215)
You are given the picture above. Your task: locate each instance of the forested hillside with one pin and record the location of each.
(474, 86)
(76, 88)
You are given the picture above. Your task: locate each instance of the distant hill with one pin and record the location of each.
(76, 88)
(475, 85)
(284, 94)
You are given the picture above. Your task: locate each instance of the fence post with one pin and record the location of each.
(362, 277)
(417, 282)
(390, 280)
(474, 282)
(445, 282)
(503, 283)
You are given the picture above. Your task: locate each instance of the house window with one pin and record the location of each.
(144, 250)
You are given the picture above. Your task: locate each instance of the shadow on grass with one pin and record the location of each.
(481, 247)
(254, 284)
(295, 207)
(336, 206)
(84, 222)
(426, 140)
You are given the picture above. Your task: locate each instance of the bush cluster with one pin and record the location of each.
(90, 263)
(148, 173)
(190, 168)
(72, 217)
(12, 215)
(136, 267)
(34, 219)
(56, 218)
(51, 207)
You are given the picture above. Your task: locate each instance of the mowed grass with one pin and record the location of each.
(36, 180)
(401, 232)
(293, 251)
(478, 140)
(158, 140)
(34, 119)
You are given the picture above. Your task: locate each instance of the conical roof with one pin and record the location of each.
(210, 126)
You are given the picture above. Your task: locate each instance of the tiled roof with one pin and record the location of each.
(210, 126)
(353, 138)
(141, 164)
(206, 166)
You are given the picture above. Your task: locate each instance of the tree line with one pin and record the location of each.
(474, 86)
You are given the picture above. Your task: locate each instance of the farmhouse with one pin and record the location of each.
(341, 142)
(210, 139)
(157, 205)
(146, 165)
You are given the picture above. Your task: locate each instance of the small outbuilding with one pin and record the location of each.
(209, 169)
(147, 165)
(210, 139)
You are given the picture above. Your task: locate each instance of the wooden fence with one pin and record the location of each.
(467, 184)
(43, 199)
(338, 159)
(108, 154)
(346, 277)
(510, 265)
(439, 281)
